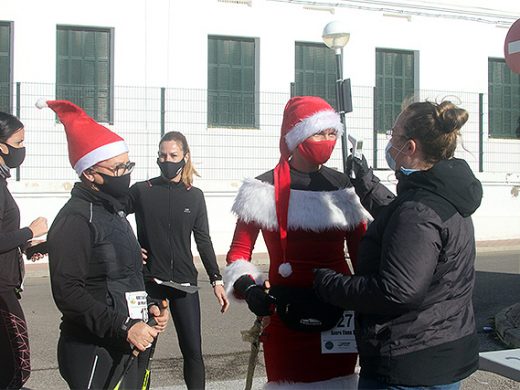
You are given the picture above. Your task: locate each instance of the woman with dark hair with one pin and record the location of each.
(412, 292)
(168, 210)
(14, 341)
(95, 264)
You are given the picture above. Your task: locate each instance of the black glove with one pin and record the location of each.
(258, 301)
(357, 166)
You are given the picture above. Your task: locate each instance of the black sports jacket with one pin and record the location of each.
(166, 214)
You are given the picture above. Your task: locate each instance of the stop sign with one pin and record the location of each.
(512, 47)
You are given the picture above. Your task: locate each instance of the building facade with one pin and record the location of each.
(221, 71)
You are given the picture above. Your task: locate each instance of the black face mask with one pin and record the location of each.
(116, 186)
(15, 156)
(171, 169)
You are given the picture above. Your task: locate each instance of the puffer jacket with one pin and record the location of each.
(413, 287)
(94, 260)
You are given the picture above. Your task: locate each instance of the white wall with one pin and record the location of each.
(163, 43)
(498, 217)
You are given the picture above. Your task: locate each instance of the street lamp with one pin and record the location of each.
(336, 37)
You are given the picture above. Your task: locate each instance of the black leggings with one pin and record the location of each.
(185, 312)
(89, 366)
(14, 343)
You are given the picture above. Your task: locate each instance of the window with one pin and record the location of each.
(315, 73)
(394, 84)
(231, 82)
(6, 66)
(504, 100)
(84, 69)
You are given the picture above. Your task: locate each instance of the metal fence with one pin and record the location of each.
(142, 114)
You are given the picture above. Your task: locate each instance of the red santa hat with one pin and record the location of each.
(88, 141)
(303, 117)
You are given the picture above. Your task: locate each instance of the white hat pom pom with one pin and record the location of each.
(285, 270)
(41, 103)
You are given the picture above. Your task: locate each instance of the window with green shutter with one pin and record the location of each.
(315, 71)
(6, 66)
(394, 84)
(84, 69)
(504, 100)
(231, 82)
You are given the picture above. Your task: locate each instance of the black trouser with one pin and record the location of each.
(14, 343)
(185, 312)
(89, 366)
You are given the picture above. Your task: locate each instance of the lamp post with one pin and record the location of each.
(336, 37)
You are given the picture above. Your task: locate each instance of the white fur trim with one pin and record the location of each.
(285, 269)
(41, 103)
(344, 382)
(104, 152)
(308, 210)
(237, 269)
(311, 125)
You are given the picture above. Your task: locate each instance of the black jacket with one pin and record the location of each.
(166, 214)
(412, 291)
(94, 259)
(12, 239)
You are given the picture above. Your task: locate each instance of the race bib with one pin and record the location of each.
(137, 305)
(340, 339)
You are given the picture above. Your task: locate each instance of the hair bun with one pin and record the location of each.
(450, 117)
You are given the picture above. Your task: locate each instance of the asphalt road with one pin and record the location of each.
(226, 355)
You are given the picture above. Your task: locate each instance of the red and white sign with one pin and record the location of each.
(512, 47)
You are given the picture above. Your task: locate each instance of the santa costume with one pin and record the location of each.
(305, 219)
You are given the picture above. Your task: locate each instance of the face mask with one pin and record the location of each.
(408, 171)
(171, 169)
(15, 156)
(116, 186)
(317, 152)
(389, 159)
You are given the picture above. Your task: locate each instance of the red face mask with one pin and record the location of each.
(317, 152)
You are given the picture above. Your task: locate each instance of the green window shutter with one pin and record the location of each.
(315, 71)
(394, 84)
(5, 67)
(503, 101)
(83, 68)
(231, 82)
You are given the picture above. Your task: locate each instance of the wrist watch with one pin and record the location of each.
(217, 283)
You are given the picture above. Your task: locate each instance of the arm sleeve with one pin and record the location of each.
(203, 242)
(374, 196)
(131, 200)
(10, 240)
(353, 239)
(407, 266)
(239, 255)
(70, 249)
(14, 239)
(244, 239)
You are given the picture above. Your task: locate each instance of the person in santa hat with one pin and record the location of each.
(305, 211)
(96, 265)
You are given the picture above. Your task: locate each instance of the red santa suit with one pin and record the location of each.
(321, 211)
